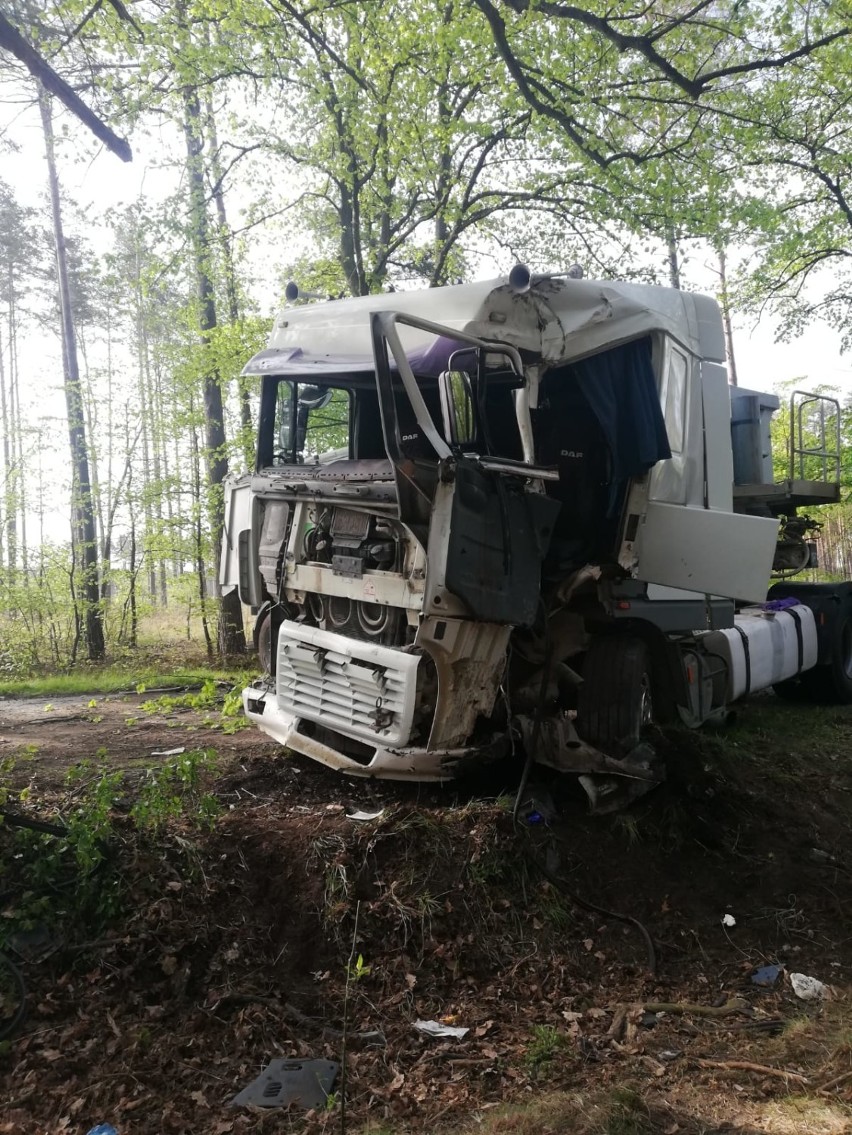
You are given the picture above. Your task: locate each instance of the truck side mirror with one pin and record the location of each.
(458, 412)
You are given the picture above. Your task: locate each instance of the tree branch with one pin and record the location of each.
(11, 40)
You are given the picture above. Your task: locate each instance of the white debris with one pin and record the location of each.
(435, 1028)
(728, 920)
(365, 815)
(169, 752)
(808, 988)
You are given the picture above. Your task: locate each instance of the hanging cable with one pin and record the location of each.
(524, 839)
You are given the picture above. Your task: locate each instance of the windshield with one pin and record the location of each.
(312, 424)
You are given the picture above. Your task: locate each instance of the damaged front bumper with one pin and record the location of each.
(288, 729)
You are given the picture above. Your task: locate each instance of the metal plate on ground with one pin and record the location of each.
(306, 1083)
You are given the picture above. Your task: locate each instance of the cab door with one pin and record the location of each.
(700, 545)
(484, 520)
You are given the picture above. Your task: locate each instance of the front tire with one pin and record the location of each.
(614, 703)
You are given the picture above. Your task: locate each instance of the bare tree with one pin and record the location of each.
(82, 502)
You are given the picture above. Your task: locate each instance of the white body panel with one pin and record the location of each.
(777, 647)
(558, 318)
(237, 518)
(700, 549)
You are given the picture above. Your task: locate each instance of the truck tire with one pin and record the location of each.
(614, 701)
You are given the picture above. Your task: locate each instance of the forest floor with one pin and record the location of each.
(216, 909)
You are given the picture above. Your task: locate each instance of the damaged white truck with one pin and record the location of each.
(519, 516)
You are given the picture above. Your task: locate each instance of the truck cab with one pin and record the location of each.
(490, 518)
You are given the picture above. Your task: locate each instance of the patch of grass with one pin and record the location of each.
(822, 1038)
(628, 1114)
(73, 880)
(620, 1112)
(110, 680)
(175, 789)
(796, 1115)
(230, 717)
(546, 1045)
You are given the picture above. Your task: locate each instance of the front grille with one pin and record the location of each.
(360, 688)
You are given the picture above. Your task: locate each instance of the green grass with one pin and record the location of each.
(618, 1112)
(111, 680)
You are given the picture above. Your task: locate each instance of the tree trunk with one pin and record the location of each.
(10, 507)
(86, 545)
(17, 422)
(231, 632)
(231, 289)
(199, 545)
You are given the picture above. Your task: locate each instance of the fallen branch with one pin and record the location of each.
(749, 1066)
(735, 1005)
(835, 1083)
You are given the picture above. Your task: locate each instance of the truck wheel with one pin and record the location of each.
(614, 702)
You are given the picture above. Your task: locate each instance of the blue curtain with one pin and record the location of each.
(621, 390)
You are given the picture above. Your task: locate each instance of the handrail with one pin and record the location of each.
(800, 450)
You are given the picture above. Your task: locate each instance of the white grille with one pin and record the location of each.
(356, 687)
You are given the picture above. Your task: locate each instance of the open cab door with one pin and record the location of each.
(702, 546)
(482, 517)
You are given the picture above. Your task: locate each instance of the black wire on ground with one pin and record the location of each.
(8, 969)
(16, 820)
(551, 876)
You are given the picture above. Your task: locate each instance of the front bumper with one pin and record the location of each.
(262, 710)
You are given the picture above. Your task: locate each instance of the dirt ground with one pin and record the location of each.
(268, 934)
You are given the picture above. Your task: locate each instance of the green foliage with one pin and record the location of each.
(473, 132)
(358, 970)
(193, 699)
(73, 881)
(230, 719)
(546, 1046)
(61, 879)
(176, 789)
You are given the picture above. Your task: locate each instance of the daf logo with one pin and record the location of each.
(571, 453)
(410, 437)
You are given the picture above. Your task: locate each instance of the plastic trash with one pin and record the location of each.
(728, 920)
(305, 1083)
(102, 1129)
(766, 976)
(360, 815)
(807, 988)
(169, 752)
(435, 1028)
